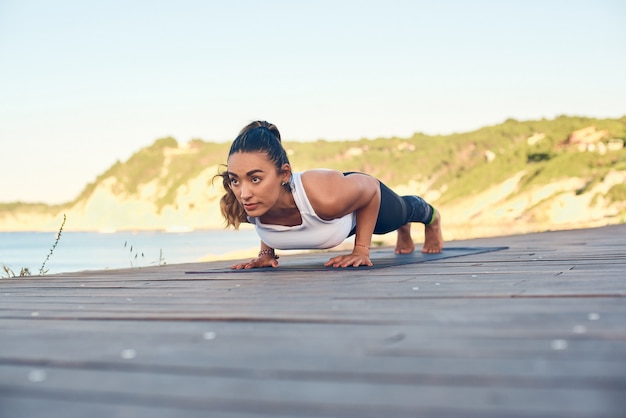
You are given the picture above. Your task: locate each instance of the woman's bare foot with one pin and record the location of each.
(433, 239)
(404, 243)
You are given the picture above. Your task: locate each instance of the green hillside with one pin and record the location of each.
(148, 163)
(456, 161)
(566, 151)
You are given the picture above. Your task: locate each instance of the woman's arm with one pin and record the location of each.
(333, 195)
(266, 258)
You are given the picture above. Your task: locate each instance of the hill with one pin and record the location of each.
(517, 176)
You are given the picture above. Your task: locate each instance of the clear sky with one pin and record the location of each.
(86, 83)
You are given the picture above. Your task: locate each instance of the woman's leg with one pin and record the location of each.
(433, 238)
(398, 212)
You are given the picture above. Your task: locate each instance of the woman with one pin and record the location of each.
(316, 208)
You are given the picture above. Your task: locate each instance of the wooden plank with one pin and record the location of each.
(536, 330)
(14, 404)
(303, 397)
(340, 348)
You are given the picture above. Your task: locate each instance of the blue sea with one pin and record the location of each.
(77, 251)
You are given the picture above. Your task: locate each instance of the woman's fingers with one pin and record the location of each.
(256, 263)
(353, 260)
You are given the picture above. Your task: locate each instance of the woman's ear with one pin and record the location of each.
(286, 173)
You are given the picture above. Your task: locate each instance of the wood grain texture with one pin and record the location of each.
(536, 330)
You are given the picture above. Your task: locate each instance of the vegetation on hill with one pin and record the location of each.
(31, 207)
(164, 162)
(456, 166)
(459, 163)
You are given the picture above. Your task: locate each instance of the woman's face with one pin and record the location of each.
(255, 181)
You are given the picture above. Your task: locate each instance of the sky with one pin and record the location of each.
(84, 84)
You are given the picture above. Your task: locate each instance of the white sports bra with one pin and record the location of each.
(313, 233)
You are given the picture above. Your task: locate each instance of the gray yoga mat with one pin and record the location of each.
(381, 259)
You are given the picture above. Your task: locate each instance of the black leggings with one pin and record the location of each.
(396, 211)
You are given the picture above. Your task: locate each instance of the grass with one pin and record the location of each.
(25, 271)
(43, 270)
(136, 255)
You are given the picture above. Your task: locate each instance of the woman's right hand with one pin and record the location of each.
(263, 261)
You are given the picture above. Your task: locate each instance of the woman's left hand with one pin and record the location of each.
(351, 260)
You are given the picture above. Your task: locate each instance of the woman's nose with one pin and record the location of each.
(245, 192)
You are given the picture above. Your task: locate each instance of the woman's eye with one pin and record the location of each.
(233, 182)
(255, 179)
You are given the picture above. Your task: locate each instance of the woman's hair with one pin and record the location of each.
(258, 136)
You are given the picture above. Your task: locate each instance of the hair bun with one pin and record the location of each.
(270, 127)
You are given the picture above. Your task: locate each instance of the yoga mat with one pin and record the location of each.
(381, 259)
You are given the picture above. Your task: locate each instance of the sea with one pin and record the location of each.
(78, 251)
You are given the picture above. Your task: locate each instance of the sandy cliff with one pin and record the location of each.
(500, 210)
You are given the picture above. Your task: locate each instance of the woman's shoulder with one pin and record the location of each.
(320, 182)
(319, 174)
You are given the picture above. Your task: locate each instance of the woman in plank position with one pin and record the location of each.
(314, 209)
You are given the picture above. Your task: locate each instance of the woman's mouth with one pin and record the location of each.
(250, 206)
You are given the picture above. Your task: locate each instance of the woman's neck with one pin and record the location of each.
(285, 212)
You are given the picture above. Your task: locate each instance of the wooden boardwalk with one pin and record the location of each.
(538, 330)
